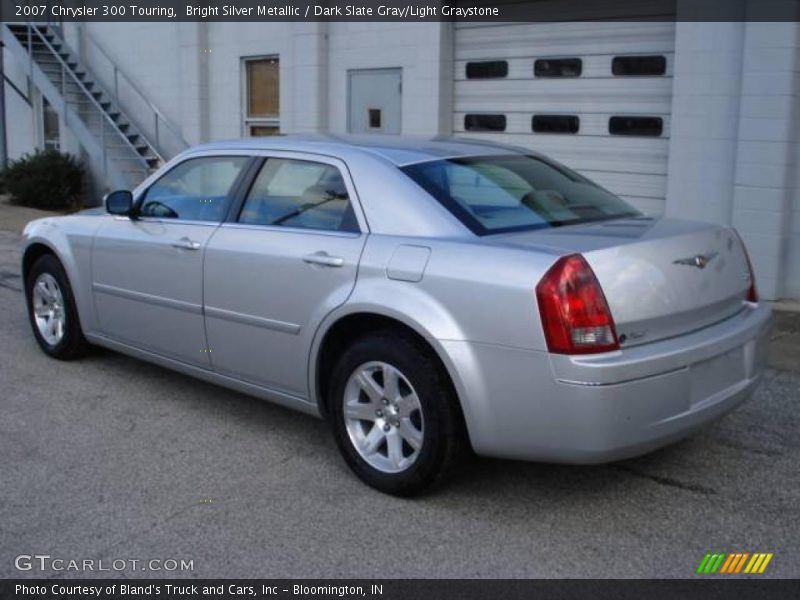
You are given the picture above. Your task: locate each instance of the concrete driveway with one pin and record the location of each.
(111, 458)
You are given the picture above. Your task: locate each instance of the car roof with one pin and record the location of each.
(400, 150)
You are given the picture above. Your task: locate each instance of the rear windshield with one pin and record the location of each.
(496, 194)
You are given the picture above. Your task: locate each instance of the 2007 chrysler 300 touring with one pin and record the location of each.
(424, 296)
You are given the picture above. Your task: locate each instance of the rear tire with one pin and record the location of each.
(52, 312)
(394, 414)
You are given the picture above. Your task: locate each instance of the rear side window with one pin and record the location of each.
(495, 194)
(301, 194)
(195, 190)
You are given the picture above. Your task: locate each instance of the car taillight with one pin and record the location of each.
(752, 292)
(575, 315)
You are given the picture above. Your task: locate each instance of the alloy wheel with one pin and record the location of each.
(48, 309)
(383, 416)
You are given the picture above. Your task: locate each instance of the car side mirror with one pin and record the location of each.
(119, 203)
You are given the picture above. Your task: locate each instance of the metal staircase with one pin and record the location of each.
(119, 148)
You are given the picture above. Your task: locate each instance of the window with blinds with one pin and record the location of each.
(262, 96)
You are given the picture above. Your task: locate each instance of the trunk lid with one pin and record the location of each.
(661, 277)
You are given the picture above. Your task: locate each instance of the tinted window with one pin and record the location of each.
(555, 124)
(639, 65)
(558, 67)
(196, 189)
(494, 194)
(485, 122)
(298, 193)
(647, 126)
(489, 69)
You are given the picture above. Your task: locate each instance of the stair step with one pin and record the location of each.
(80, 101)
(46, 61)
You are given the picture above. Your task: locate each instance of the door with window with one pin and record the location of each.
(147, 273)
(272, 274)
(375, 100)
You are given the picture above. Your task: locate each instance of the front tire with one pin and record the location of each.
(51, 310)
(394, 415)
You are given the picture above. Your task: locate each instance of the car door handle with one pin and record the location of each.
(323, 258)
(186, 244)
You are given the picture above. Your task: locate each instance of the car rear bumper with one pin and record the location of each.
(589, 409)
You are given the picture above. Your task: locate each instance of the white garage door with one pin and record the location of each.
(593, 95)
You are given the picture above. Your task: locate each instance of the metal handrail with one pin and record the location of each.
(157, 113)
(64, 70)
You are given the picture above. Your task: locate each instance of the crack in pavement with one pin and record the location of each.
(669, 481)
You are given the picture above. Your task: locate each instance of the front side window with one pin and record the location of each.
(496, 194)
(299, 193)
(196, 190)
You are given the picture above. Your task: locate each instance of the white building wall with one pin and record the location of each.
(734, 146)
(147, 54)
(767, 157)
(705, 116)
(21, 136)
(420, 49)
(229, 43)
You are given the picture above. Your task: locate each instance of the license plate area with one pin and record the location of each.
(716, 374)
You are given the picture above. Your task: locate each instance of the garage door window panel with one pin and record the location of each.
(489, 69)
(636, 126)
(485, 122)
(195, 190)
(555, 124)
(300, 194)
(638, 66)
(558, 67)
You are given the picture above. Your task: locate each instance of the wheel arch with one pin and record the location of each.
(32, 253)
(46, 240)
(340, 331)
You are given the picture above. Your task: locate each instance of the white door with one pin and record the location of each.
(595, 96)
(374, 100)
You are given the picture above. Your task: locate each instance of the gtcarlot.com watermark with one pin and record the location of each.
(47, 563)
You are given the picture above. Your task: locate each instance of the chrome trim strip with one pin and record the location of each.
(245, 319)
(168, 221)
(111, 290)
(611, 383)
(286, 229)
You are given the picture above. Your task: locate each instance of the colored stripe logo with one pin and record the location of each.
(734, 563)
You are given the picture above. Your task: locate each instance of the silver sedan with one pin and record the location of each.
(427, 297)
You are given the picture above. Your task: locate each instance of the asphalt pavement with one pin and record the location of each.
(110, 458)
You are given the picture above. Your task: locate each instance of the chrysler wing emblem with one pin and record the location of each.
(700, 260)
